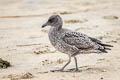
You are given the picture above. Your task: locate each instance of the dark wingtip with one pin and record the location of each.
(107, 48)
(107, 45)
(103, 50)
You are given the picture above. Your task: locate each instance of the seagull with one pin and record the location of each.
(71, 42)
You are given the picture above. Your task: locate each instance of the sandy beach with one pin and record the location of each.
(26, 45)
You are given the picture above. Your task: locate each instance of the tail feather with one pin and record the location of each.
(106, 45)
(107, 48)
(99, 42)
(103, 50)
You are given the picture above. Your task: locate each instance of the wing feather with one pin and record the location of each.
(79, 40)
(83, 42)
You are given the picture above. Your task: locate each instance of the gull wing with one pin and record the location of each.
(78, 40)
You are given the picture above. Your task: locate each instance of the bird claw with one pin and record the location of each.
(77, 69)
(59, 70)
(69, 70)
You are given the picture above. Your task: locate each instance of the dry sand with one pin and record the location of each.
(27, 47)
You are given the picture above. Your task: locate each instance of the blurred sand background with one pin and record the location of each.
(26, 45)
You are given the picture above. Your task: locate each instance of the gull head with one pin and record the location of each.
(53, 21)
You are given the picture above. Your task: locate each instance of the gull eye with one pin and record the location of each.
(51, 20)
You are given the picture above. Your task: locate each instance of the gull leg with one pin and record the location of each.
(66, 63)
(76, 63)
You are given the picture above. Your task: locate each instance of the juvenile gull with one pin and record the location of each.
(70, 42)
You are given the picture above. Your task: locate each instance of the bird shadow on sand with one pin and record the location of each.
(83, 69)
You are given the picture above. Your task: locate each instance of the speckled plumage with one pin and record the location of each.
(70, 42)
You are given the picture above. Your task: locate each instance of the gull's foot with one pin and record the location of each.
(68, 70)
(59, 70)
(74, 70)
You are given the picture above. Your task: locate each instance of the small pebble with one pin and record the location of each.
(101, 78)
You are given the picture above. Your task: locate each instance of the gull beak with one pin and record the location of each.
(44, 25)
